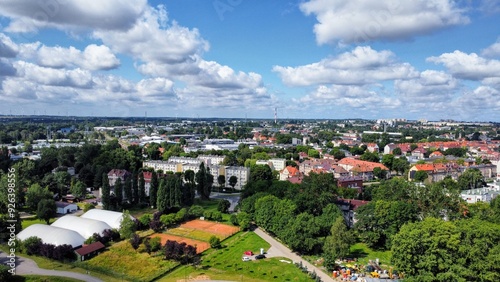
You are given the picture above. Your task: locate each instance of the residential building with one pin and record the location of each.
(389, 148)
(360, 168)
(114, 174)
(274, 164)
(241, 173)
(289, 172)
(348, 209)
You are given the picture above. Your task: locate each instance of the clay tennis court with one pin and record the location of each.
(200, 246)
(212, 227)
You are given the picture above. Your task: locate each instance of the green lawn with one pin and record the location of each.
(211, 205)
(226, 264)
(30, 221)
(363, 253)
(123, 262)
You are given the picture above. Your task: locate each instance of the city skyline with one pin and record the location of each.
(326, 59)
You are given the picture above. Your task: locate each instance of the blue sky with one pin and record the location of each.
(333, 59)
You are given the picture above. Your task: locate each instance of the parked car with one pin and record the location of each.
(245, 259)
(260, 256)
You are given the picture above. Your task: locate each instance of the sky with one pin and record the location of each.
(326, 59)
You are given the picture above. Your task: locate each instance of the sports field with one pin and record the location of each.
(200, 246)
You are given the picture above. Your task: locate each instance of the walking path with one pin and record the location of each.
(279, 250)
(26, 266)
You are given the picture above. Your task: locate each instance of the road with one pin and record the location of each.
(279, 250)
(26, 266)
(232, 198)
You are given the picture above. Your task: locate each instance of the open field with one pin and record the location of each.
(30, 221)
(226, 264)
(211, 227)
(193, 234)
(363, 253)
(123, 262)
(200, 245)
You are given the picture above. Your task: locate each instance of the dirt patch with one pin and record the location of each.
(212, 227)
(200, 246)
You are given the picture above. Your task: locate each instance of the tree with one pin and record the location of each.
(233, 180)
(127, 188)
(119, 192)
(214, 242)
(135, 241)
(223, 206)
(397, 151)
(221, 180)
(105, 190)
(370, 157)
(470, 179)
(244, 220)
(127, 225)
(46, 210)
(79, 190)
(153, 190)
(420, 176)
(35, 194)
(135, 188)
(338, 244)
(260, 172)
(379, 173)
(163, 200)
(142, 188)
(204, 181)
(300, 234)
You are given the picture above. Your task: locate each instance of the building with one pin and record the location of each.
(114, 174)
(360, 168)
(65, 208)
(348, 209)
(86, 227)
(389, 148)
(52, 235)
(274, 164)
(89, 251)
(241, 173)
(111, 218)
(355, 182)
(289, 172)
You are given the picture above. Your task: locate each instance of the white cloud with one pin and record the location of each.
(492, 50)
(56, 77)
(6, 68)
(29, 16)
(359, 21)
(362, 65)
(468, 66)
(8, 49)
(428, 86)
(93, 58)
(150, 41)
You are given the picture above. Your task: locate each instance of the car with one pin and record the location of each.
(260, 256)
(245, 259)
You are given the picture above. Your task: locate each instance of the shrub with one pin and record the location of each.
(214, 242)
(234, 220)
(180, 216)
(145, 219)
(223, 206)
(168, 219)
(207, 214)
(217, 216)
(32, 245)
(135, 241)
(195, 211)
(155, 244)
(88, 207)
(5, 275)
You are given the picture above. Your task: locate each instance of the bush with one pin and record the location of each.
(5, 275)
(168, 219)
(145, 219)
(207, 214)
(214, 242)
(181, 215)
(234, 220)
(88, 207)
(135, 241)
(155, 244)
(195, 211)
(32, 245)
(223, 206)
(217, 216)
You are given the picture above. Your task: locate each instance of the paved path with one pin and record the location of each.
(26, 266)
(279, 250)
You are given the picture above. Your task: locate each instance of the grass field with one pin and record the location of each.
(211, 205)
(363, 253)
(30, 221)
(226, 264)
(122, 261)
(193, 233)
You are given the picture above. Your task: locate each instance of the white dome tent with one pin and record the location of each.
(83, 226)
(52, 235)
(112, 218)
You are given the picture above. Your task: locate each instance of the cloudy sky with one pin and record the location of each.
(423, 59)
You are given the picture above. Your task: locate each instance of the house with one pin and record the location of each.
(355, 182)
(348, 209)
(360, 168)
(65, 208)
(372, 147)
(114, 174)
(436, 154)
(389, 148)
(88, 251)
(419, 153)
(289, 172)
